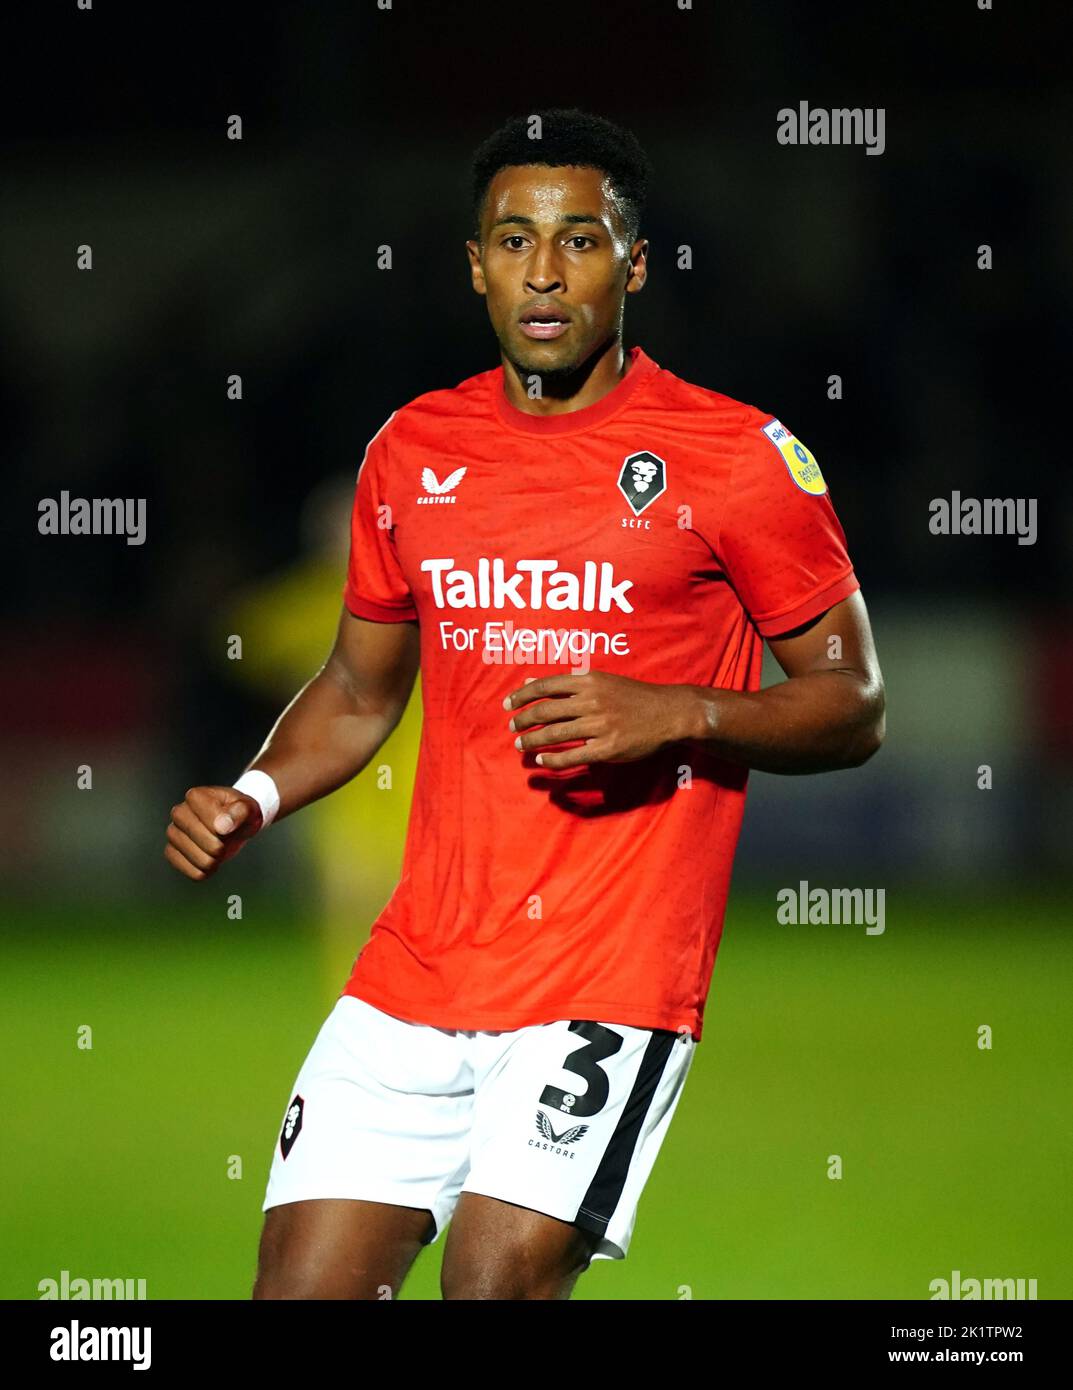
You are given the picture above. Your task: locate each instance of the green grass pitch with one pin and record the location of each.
(819, 1040)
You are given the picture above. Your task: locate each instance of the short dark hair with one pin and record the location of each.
(567, 136)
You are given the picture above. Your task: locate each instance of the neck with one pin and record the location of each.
(566, 390)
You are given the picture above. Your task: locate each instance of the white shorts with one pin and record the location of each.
(565, 1118)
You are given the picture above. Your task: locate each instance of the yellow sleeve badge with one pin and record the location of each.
(804, 469)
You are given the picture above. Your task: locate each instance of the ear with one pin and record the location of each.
(638, 268)
(473, 251)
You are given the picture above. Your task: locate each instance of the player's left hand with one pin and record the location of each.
(620, 719)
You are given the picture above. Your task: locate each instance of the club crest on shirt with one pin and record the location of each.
(642, 480)
(804, 469)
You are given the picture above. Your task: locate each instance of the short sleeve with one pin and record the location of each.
(780, 542)
(375, 585)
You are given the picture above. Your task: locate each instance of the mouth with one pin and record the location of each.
(543, 323)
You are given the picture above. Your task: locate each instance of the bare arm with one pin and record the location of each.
(331, 729)
(828, 714)
(336, 723)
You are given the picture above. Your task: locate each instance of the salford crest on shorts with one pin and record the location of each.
(292, 1126)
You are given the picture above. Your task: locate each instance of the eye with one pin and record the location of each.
(581, 237)
(516, 236)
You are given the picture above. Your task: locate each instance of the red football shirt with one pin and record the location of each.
(660, 533)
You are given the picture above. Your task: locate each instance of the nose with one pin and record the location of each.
(543, 274)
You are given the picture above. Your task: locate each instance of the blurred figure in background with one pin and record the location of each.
(353, 838)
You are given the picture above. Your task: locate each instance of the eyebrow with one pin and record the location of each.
(516, 218)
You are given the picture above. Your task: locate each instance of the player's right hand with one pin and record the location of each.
(209, 827)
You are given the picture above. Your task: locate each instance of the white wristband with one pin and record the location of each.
(264, 791)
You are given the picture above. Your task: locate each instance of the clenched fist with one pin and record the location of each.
(209, 827)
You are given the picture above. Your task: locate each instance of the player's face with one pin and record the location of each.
(554, 264)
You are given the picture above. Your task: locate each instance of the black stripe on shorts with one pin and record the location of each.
(605, 1190)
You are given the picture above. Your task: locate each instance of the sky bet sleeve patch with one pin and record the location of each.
(804, 469)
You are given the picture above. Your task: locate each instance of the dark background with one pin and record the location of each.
(214, 256)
